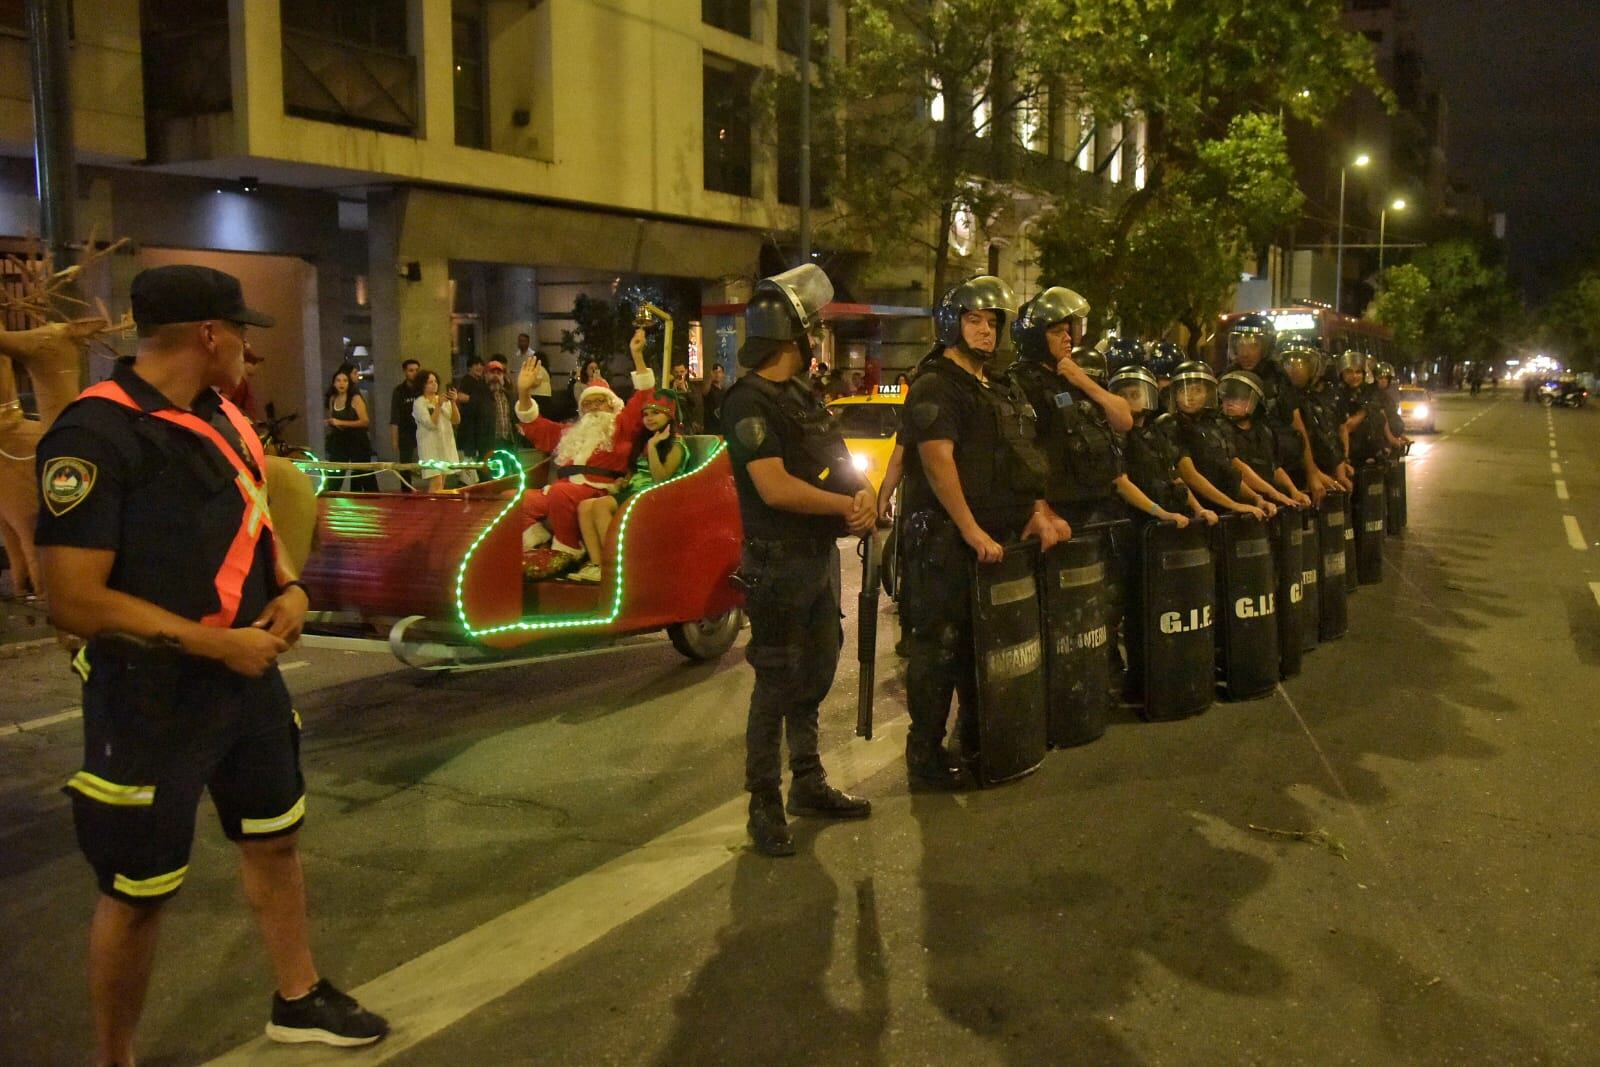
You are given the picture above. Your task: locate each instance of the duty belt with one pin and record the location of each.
(797, 548)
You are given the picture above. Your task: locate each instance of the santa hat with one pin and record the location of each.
(596, 389)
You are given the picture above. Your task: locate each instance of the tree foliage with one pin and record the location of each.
(1402, 305)
(1451, 303)
(1569, 323)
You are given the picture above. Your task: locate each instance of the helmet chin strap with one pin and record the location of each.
(979, 354)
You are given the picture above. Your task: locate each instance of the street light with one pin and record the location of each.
(1399, 204)
(1338, 268)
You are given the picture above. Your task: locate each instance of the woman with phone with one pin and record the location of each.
(437, 418)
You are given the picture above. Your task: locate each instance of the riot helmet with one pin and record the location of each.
(1035, 319)
(784, 307)
(1165, 358)
(1385, 370)
(1301, 362)
(983, 293)
(1254, 335)
(1240, 393)
(1138, 387)
(1194, 389)
(1351, 360)
(1093, 362)
(1124, 352)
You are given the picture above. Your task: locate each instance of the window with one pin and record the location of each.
(14, 16)
(377, 24)
(789, 25)
(730, 15)
(467, 55)
(727, 119)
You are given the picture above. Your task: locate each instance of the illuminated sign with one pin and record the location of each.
(1293, 321)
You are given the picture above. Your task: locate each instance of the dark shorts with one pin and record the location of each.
(156, 735)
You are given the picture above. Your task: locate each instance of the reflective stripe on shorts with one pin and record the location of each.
(279, 822)
(94, 787)
(160, 885)
(80, 663)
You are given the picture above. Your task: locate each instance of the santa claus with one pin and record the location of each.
(588, 458)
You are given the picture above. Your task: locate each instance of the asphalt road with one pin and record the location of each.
(546, 864)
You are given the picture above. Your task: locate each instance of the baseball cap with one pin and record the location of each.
(188, 293)
(495, 364)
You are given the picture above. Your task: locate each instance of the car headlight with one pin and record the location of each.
(1420, 411)
(859, 461)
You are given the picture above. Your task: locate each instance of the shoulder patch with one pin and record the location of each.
(751, 431)
(65, 482)
(925, 414)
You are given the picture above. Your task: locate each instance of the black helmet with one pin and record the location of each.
(1124, 352)
(1053, 306)
(784, 307)
(1165, 359)
(1240, 387)
(1350, 359)
(1136, 384)
(1251, 326)
(1093, 362)
(1195, 379)
(983, 293)
(1301, 354)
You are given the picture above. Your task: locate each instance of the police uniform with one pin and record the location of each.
(1084, 460)
(1277, 412)
(1150, 453)
(1202, 438)
(1003, 472)
(1318, 410)
(1366, 440)
(1256, 445)
(179, 496)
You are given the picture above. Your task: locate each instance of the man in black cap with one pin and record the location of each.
(798, 493)
(157, 547)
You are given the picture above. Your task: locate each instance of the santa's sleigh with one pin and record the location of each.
(438, 577)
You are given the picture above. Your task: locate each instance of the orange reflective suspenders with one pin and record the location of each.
(252, 488)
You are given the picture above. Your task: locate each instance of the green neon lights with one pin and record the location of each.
(305, 464)
(562, 622)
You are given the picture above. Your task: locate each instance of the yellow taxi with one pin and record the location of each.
(1416, 409)
(869, 424)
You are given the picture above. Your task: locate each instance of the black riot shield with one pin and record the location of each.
(1394, 485)
(1352, 581)
(1010, 665)
(1077, 638)
(1371, 508)
(1330, 574)
(1286, 531)
(1247, 594)
(1179, 607)
(1310, 579)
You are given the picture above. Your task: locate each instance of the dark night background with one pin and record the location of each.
(1522, 80)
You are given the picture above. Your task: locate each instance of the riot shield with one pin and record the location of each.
(1371, 508)
(1286, 531)
(1179, 607)
(1248, 596)
(1010, 665)
(1394, 484)
(1352, 580)
(1077, 634)
(1331, 567)
(1310, 579)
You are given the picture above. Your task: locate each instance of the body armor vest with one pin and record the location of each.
(1152, 459)
(1211, 448)
(1080, 447)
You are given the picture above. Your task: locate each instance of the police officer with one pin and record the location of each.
(1364, 423)
(1388, 397)
(974, 479)
(798, 493)
(1251, 341)
(1320, 465)
(1123, 352)
(1206, 457)
(1242, 399)
(158, 549)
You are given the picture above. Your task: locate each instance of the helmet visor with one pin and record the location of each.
(1301, 366)
(1141, 395)
(1247, 348)
(1238, 400)
(1189, 396)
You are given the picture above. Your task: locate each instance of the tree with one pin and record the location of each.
(1402, 304)
(1569, 322)
(1450, 303)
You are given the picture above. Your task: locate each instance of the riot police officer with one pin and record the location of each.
(1206, 458)
(1364, 424)
(1251, 341)
(1388, 398)
(798, 493)
(1320, 465)
(1123, 352)
(974, 479)
(1242, 398)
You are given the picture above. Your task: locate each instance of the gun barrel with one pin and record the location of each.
(867, 635)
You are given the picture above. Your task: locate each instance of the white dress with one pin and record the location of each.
(436, 441)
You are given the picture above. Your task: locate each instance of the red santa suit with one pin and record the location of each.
(581, 467)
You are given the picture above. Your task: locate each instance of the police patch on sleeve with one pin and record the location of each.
(924, 414)
(65, 482)
(751, 431)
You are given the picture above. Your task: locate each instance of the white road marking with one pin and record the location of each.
(1594, 587)
(1555, 468)
(1561, 489)
(294, 665)
(15, 728)
(448, 983)
(1574, 533)
(1553, 455)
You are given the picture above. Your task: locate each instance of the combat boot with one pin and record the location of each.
(811, 796)
(929, 766)
(769, 831)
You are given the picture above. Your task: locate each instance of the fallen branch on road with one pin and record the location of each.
(1310, 837)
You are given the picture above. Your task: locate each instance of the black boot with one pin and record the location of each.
(811, 795)
(929, 766)
(768, 829)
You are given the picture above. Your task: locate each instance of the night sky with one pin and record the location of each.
(1522, 79)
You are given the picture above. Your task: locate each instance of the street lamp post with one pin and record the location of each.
(1399, 204)
(1338, 267)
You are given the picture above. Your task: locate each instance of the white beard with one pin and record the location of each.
(596, 430)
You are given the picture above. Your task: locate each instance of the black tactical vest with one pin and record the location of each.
(1211, 448)
(1319, 409)
(1081, 449)
(1366, 440)
(813, 448)
(1256, 446)
(1151, 455)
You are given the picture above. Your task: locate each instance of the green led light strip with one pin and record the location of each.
(322, 475)
(567, 622)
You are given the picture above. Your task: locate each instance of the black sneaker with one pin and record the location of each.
(325, 1015)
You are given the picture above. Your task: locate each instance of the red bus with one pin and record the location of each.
(1328, 330)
